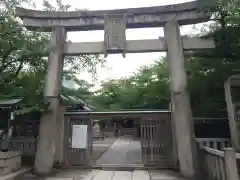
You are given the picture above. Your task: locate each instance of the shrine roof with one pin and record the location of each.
(118, 114)
(9, 102)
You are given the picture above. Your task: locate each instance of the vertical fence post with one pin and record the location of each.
(230, 164)
(231, 115)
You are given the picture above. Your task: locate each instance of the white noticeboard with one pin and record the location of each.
(79, 136)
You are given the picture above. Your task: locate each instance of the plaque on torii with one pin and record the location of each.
(115, 34)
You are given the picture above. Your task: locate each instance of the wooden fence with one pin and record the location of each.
(26, 145)
(218, 165)
(156, 141)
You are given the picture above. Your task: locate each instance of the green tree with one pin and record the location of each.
(22, 64)
(147, 89)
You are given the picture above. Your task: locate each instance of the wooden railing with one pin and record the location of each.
(215, 143)
(26, 145)
(218, 165)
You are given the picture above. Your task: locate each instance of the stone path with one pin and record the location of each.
(108, 175)
(100, 146)
(124, 151)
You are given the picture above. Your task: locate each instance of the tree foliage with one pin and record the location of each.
(22, 64)
(141, 91)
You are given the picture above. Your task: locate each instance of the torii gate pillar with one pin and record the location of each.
(182, 113)
(47, 131)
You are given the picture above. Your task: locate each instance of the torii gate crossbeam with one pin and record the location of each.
(185, 13)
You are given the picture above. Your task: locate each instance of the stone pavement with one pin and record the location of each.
(100, 146)
(124, 151)
(107, 175)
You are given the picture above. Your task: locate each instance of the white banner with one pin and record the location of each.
(79, 136)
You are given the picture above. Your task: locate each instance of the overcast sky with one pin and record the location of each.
(117, 65)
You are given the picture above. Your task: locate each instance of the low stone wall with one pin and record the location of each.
(10, 162)
(27, 146)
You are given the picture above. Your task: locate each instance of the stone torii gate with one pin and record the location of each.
(114, 23)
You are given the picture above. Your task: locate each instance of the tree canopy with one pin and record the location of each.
(23, 60)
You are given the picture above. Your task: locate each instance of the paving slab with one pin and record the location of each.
(140, 174)
(124, 151)
(163, 175)
(30, 176)
(58, 178)
(100, 146)
(122, 175)
(104, 175)
(72, 173)
(90, 175)
(95, 174)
